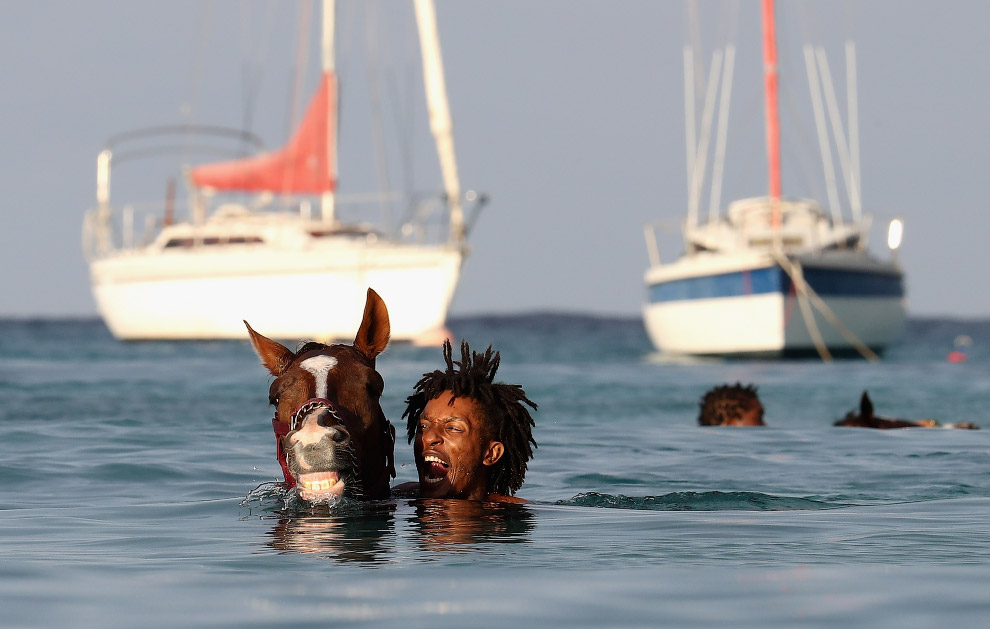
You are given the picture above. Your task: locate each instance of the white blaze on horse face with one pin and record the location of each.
(319, 366)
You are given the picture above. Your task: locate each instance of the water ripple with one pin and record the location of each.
(700, 501)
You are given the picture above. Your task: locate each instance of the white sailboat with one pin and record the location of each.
(774, 276)
(292, 271)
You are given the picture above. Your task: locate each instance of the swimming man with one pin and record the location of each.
(472, 437)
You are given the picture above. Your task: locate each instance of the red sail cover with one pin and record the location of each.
(303, 166)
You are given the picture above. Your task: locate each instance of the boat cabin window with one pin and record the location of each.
(787, 241)
(213, 240)
(354, 232)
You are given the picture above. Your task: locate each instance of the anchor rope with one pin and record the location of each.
(808, 294)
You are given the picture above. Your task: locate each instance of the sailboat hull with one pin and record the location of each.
(316, 294)
(708, 308)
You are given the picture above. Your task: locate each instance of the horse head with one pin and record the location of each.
(332, 435)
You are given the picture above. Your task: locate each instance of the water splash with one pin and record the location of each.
(275, 500)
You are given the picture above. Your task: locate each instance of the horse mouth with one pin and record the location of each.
(435, 469)
(318, 486)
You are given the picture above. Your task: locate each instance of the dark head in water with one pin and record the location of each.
(731, 405)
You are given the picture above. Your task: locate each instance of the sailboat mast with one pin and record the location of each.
(328, 199)
(773, 120)
(440, 120)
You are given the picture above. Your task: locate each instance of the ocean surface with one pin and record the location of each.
(137, 490)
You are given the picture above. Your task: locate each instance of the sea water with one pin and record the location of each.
(138, 489)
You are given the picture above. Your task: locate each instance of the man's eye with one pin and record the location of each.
(454, 428)
(420, 427)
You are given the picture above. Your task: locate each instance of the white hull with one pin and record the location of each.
(768, 325)
(252, 248)
(771, 322)
(312, 294)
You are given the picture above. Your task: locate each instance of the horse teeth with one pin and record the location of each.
(320, 485)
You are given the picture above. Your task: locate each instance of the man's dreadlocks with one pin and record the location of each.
(506, 419)
(726, 402)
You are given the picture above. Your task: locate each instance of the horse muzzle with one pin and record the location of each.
(318, 451)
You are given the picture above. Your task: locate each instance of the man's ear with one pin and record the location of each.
(493, 453)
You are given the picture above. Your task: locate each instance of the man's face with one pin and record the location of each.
(453, 457)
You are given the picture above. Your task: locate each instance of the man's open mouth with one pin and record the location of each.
(316, 486)
(436, 469)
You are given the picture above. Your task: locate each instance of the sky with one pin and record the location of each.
(568, 114)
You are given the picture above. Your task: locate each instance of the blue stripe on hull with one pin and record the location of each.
(825, 282)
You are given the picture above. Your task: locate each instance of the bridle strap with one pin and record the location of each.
(281, 429)
(311, 405)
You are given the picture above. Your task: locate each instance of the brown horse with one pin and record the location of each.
(866, 419)
(331, 433)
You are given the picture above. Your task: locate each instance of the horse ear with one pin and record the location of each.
(274, 356)
(865, 405)
(372, 336)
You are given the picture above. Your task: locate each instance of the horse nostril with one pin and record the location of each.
(330, 421)
(325, 419)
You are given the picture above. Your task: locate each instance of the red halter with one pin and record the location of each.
(282, 429)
